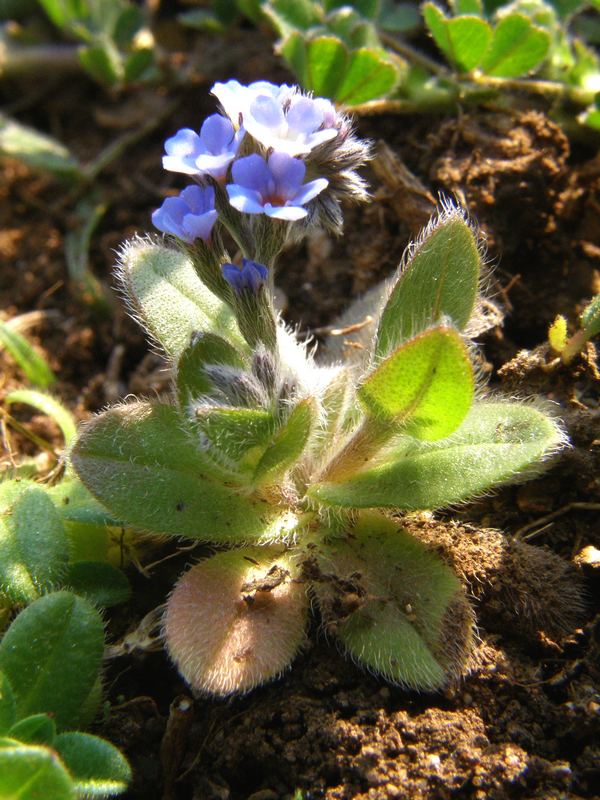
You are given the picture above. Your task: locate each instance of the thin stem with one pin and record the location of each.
(15, 60)
(414, 56)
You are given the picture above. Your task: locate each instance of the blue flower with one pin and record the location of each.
(272, 187)
(209, 153)
(189, 216)
(279, 117)
(250, 277)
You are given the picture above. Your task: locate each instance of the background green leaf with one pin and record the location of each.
(518, 47)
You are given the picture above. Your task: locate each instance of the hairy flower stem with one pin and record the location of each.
(364, 444)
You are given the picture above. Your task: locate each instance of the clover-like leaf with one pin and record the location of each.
(34, 544)
(439, 278)
(326, 62)
(518, 47)
(396, 607)
(426, 385)
(97, 768)
(67, 636)
(497, 442)
(143, 463)
(370, 74)
(463, 39)
(169, 299)
(236, 620)
(29, 772)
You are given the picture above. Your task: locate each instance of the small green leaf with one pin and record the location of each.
(518, 48)
(47, 405)
(426, 385)
(369, 75)
(103, 62)
(36, 729)
(67, 637)
(8, 705)
(205, 349)
(100, 583)
(326, 64)
(37, 150)
(96, 766)
(467, 6)
(413, 624)
(235, 438)
(34, 545)
(292, 15)
(469, 39)
(288, 443)
(76, 504)
(143, 463)
(439, 278)
(293, 50)
(29, 360)
(138, 65)
(63, 12)
(169, 298)
(31, 773)
(497, 442)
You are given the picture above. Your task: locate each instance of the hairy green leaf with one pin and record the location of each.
(192, 378)
(439, 278)
(426, 384)
(144, 464)
(66, 636)
(100, 583)
(28, 772)
(170, 300)
(518, 47)
(412, 624)
(96, 766)
(8, 705)
(75, 503)
(36, 729)
(287, 444)
(497, 442)
(590, 317)
(34, 546)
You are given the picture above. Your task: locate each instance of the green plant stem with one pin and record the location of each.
(551, 89)
(365, 443)
(39, 59)
(415, 56)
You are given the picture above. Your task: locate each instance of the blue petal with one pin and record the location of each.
(309, 191)
(199, 226)
(287, 172)
(251, 172)
(265, 111)
(290, 213)
(185, 142)
(216, 134)
(304, 115)
(246, 200)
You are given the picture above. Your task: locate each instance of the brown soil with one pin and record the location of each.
(524, 722)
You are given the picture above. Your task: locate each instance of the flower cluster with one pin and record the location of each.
(272, 157)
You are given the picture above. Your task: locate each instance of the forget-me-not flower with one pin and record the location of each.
(209, 153)
(279, 117)
(274, 187)
(189, 216)
(250, 277)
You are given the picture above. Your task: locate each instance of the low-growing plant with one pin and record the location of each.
(50, 659)
(568, 347)
(359, 52)
(296, 468)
